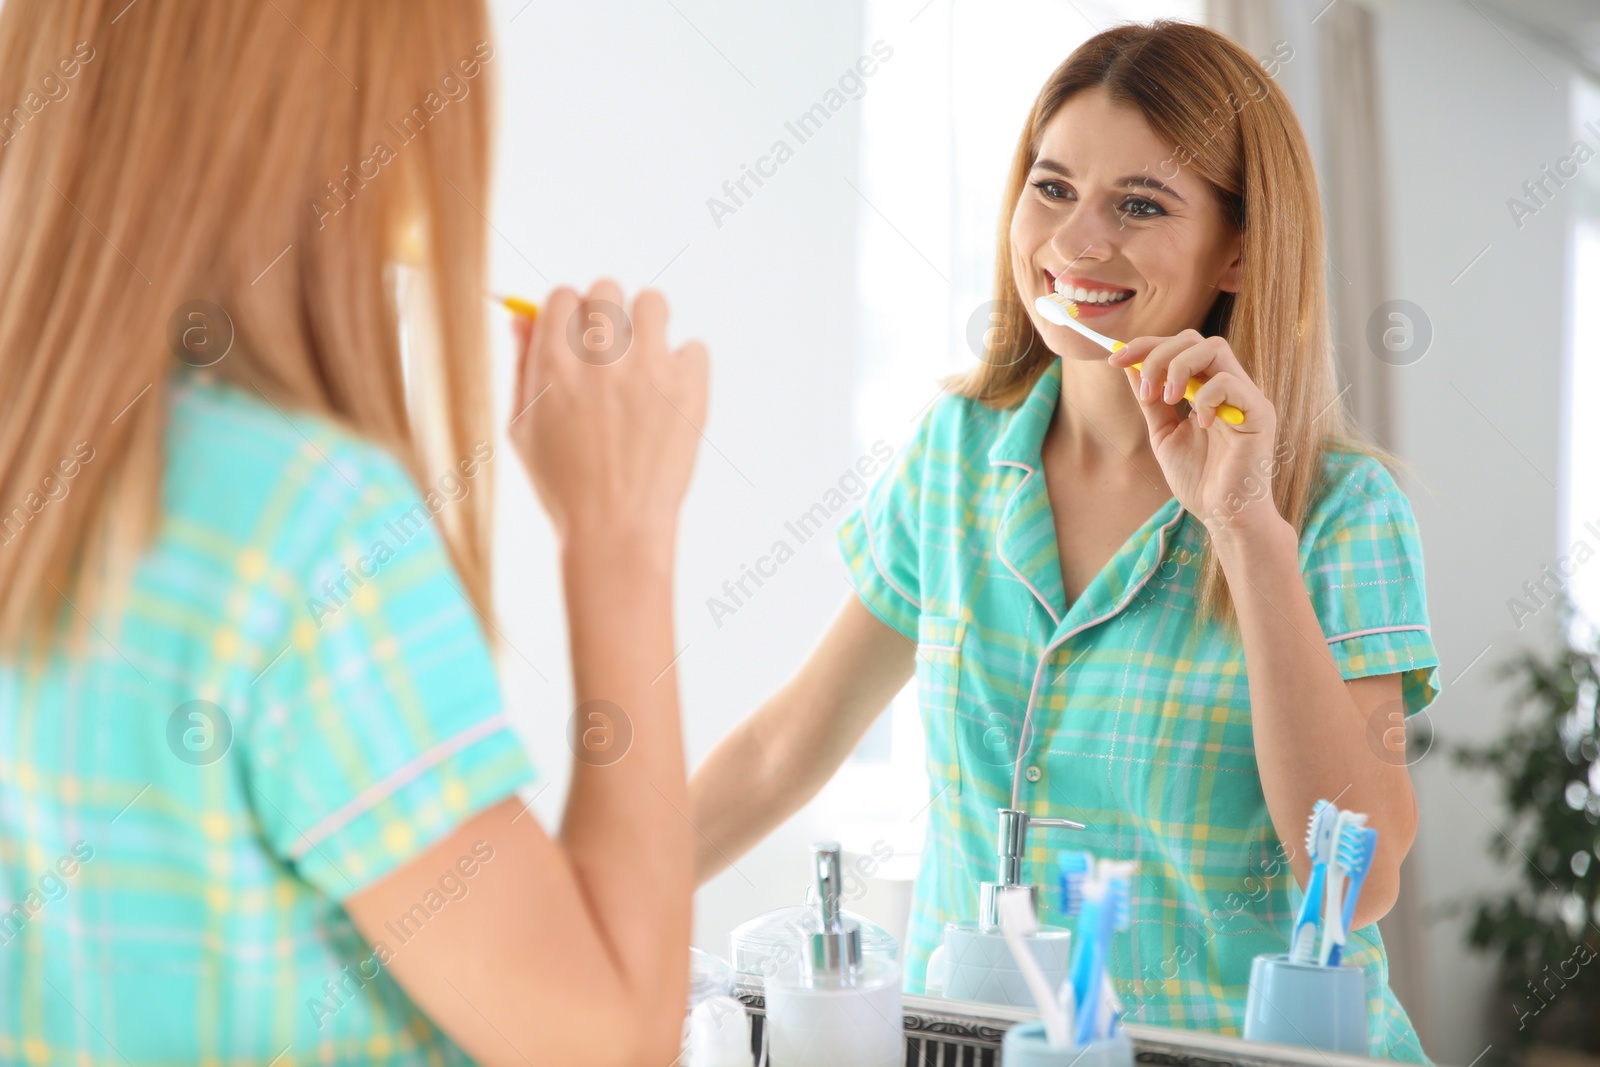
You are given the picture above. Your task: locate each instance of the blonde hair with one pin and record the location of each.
(264, 158)
(1234, 128)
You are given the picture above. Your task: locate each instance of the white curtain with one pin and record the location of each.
(1339, 107)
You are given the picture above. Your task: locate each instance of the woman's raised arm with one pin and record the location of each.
(773, 762)
(576, 951)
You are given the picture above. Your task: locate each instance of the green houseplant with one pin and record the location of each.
(1545, 927)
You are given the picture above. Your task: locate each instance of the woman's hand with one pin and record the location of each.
(1219, 472)
(607, 418)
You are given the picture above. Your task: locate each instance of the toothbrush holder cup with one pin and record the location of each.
(1307, 1004)
(1025, 1046)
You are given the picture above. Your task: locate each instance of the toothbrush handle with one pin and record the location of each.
(1226, 412)
(1089, 1015)
(1332, 914)
(1337, 952)
(1303, 946)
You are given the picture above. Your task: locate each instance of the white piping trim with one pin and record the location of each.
(371, 795)
(872, 550)
(1000, 528)
(1027, 719)
(1379, 630)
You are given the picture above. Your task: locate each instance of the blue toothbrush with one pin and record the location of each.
(1121, 874)
(1321, 841)
(1107, 907)
(1357, 844)
(1075, 869)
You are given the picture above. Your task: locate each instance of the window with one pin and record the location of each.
(1581, 488)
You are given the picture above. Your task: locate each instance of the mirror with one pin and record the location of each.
(819, 191)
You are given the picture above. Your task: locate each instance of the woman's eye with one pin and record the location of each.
(1140, 208)
(1052, 190)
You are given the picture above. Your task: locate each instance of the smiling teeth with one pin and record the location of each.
(1091, 296)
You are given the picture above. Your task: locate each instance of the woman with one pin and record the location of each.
(257, 787)
(1120, 608)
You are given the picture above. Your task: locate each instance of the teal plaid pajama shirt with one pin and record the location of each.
(170, 880)
(1141, 712)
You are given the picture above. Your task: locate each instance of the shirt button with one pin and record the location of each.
(1032, 773)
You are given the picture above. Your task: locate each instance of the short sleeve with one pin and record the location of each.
(881, 537)
(379, 728)
(1361, 557)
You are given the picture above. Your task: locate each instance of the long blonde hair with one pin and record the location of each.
(1233, 127)
(264, 158)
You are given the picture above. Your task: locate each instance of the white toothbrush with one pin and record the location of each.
(1060, 310)
(1063, 311)
(1066, 1006)
(1017, 921)
(1333, 895)
(1356, 848)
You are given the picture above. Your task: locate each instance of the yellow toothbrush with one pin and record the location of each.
(1064, 312)
(518, 306)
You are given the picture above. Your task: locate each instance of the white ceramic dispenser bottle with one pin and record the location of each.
(974, 962)
(833, 1006)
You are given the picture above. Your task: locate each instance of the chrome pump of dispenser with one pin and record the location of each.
(1014, 827)
(835, 950)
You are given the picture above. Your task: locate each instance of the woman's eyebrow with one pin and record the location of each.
(1136, 181)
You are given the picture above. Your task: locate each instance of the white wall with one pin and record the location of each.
(1468, 120)
(621, 120)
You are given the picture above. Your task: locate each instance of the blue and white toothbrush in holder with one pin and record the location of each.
(1309, 997)
(1080, 1024)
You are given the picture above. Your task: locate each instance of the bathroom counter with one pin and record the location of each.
(940, 1031)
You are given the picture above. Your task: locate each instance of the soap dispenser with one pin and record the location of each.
(833, 1005)
(974, 962)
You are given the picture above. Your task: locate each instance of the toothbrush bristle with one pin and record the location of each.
(1322, 832)
(1356, 847)
(1064, 302)
(1118, 875)
(1122, 902)
(1075, 867)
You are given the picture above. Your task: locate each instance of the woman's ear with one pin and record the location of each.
(1233, 272)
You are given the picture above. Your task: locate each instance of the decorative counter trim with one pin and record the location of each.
(939, 1031)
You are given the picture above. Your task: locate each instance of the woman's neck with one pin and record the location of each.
(1098, 420)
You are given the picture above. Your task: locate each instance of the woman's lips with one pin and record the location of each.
(1088, 309)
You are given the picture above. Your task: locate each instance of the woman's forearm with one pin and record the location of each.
(749, 784)
(1310, 734)
(730, 802)
(625, 823)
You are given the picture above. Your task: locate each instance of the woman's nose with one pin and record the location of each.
(1088, 231)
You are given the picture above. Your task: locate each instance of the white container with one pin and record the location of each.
(716, 1029)
(719, 1034)
(834, 1005)
(835, 1022)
